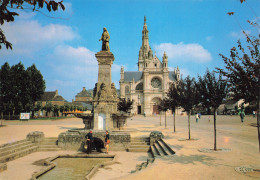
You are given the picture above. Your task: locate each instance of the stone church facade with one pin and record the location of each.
(149, 85)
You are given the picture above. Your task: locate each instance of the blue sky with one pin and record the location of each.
(192, 32)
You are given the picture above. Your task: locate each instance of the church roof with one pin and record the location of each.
(130, 75)
(138, 75)
(172, 76)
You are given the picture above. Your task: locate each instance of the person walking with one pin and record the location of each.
(197, 117)
(107, 141)
(242, 115)
(89, 138)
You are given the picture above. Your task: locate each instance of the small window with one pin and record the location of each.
(155, 65)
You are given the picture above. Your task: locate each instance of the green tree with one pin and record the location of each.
(8, 8)
(19, 89)
(35, 83)
(189, 96)
(38, 107)
(62, 109)
(48, 108)
(212, 91)
(173, 95)
(56, 109)
(124, 105)
(5, 85)
(242, 70)
(164, 106)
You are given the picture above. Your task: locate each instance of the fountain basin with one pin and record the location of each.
(74, 167)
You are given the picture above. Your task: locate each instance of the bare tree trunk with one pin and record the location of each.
(174, 120)
(215, 131)
(165, 118)
(189, 123)
(258, 120)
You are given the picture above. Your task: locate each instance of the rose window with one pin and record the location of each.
(156, 83)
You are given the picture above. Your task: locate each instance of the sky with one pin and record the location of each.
(63, 44)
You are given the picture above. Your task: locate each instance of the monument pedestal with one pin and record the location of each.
(104, 93)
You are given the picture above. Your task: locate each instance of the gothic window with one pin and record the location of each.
(127, 90)
(156, 83)
(139, 86)
(155, 65)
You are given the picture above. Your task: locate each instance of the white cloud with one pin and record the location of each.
(186, 52)
(29, 36)
(77, 55)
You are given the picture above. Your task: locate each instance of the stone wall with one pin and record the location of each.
(75, 140)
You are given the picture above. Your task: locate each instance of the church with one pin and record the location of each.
(149, 85)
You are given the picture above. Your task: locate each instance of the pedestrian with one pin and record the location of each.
(89, 138)
(242, 115)
(254, 113)
(107, 141)
(209, 118)
(197, 117)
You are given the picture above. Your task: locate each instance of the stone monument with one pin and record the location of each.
(104, 94)
(104, 114)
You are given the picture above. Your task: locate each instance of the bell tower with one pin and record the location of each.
(145, 52)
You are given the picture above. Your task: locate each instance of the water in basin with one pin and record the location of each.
(72, 168)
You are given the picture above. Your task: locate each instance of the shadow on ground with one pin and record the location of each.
(191, 159)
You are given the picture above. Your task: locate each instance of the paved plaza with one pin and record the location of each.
(187, 163)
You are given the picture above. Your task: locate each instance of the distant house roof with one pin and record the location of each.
(58, 98)
(48, 95)
(84, 93)
(51, 96)
(130, 75)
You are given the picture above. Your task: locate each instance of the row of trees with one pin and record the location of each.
(208, 91)
(240, 76)
(20, 88)
(55, 109)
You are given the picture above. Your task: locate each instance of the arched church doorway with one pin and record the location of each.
(155, 103)
(101, 121)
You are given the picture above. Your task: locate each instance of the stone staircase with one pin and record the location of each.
(160, 148)
(139, 145)
(11, 151)
(49, 144)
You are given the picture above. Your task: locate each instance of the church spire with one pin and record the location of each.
(145, 53)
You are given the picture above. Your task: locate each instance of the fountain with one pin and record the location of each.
(104, 115)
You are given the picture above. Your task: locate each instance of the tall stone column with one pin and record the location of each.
(104, 94)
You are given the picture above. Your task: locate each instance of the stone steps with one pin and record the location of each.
(139, 145)
(12, 147)
(160, 148)
(17, 154)
(15, 149)
(49, 144)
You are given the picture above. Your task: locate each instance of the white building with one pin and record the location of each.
(149, 85)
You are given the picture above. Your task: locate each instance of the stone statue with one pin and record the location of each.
(105, 40)
(113, 88)
(103, 91)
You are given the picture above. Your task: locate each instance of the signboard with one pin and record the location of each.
(24, 116)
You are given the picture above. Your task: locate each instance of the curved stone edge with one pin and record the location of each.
(50, 165)
(95, 168)
(208, 150)
(247, 169)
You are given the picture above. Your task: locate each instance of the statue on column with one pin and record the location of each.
(105, 40)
